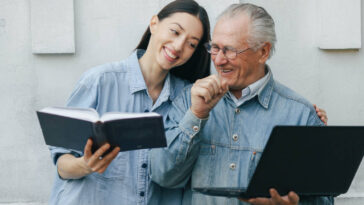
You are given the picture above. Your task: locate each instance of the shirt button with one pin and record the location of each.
(144, 165)
(232, 166)
(237, 110)
(195, 128)
(235, 137)
(141, 193)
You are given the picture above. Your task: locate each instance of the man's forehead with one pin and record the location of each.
(231, 31)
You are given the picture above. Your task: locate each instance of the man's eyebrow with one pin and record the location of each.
(225, 46)
(184, 29)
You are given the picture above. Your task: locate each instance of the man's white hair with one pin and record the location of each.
(262, 24)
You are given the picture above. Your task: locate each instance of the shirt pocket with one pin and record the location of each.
(80, 192)
(202, 174)
(207, 149)
(254, 159)
(117, 168)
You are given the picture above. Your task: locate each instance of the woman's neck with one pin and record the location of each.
(153, 74)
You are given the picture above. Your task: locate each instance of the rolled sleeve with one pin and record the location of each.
(56, 152)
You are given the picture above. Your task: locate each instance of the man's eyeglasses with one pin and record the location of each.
(228, 52)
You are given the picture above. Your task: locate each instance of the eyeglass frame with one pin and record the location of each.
(208, 47)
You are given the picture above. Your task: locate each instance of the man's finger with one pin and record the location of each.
(293, 197)
(224, 85)
(210, 89)
(260, 201)
(276, 198)
(203, 93)
(216, 83)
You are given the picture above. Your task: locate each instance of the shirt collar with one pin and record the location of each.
(136, 79)
(165, 93)
(266, 90)
(251, 91)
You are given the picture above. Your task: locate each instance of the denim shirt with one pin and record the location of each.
(120, 87)
(224, 149)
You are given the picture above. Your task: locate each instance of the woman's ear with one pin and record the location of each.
(153, 24)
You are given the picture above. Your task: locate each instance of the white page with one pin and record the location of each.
(117, 115)
(87, 114)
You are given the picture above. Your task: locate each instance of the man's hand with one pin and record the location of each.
(205, 93)
(290, 199)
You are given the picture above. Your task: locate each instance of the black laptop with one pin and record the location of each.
(310, 160)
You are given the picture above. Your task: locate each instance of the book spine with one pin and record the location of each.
(100, 137)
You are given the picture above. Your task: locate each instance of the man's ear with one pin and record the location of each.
(265, 51)
(153, 24)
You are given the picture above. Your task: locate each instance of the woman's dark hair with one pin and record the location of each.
(198, 66)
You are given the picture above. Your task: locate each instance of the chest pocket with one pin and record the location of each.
(254, 159)
(207, 149)
(117, 169)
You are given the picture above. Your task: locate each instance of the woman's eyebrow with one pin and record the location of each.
(179, 25)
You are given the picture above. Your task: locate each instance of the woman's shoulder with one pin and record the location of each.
(107, 70)
(178, 84)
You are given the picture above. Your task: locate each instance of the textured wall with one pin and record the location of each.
(107, 31)
(333, 79)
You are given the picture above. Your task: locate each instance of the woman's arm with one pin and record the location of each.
(71, 167)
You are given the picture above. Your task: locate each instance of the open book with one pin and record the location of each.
(71, 127)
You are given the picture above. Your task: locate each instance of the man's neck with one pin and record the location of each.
(238, 92)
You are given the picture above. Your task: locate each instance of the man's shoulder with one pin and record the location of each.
(184, 96)
(178, 85)
(288, 99)
(285, 93)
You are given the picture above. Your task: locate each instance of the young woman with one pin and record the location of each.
(169, 56)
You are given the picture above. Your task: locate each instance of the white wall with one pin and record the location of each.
(108, 31)
(333, 79)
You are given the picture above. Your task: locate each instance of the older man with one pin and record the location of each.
(218, 128)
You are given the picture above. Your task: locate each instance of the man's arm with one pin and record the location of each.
(292, 198)
(172, 166)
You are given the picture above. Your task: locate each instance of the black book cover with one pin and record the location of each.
(128, 134)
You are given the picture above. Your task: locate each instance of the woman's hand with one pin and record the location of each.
(95, 162)
(71, 167)
(321, 114)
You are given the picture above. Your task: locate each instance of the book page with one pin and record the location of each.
(87, 114)
(119, 115)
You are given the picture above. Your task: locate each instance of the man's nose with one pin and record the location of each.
(220, 58)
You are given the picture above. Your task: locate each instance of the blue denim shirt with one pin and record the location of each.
(118, 86)
(223, 150)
